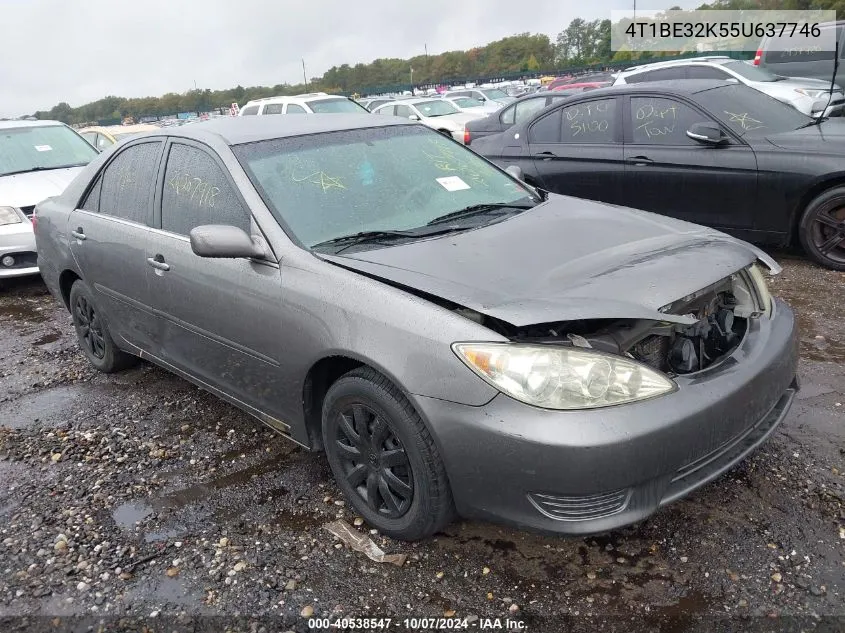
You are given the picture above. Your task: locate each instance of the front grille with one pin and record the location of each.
(580, 507)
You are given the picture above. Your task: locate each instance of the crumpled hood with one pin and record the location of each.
(26, 190)
(564, 260)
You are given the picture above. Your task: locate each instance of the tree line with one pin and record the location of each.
(582, 43)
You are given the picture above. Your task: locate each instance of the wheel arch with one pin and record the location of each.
(67, 278)
(829, 181)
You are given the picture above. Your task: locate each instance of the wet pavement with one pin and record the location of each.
(139, 496)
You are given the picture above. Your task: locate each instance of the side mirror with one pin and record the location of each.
(219, 240)
(706, 133)
(414, 117)
(515, 171)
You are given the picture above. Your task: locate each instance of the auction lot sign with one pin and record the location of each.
(796, 32)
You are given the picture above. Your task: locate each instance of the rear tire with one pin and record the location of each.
(383, 457)
(822, 229)
(92, 332)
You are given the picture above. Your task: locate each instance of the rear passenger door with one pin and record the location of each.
(669, 173)
(108, 238)
(577, 150)
(219, 317)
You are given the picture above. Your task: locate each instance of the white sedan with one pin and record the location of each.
(38, 159)
(470, 105)
(437, 114)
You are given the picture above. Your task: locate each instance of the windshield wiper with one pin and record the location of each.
(345, 241)
(39, 168)
(478, 209)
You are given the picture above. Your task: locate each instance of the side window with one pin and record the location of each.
(197, 192)
(103, 142)
(403, 111)
(589, 122)
(272, 108)
(253, 109)
(388, 110)
(527, 109)
(92, 200)
(706, 72)
(128, 182)
(508, 115)
(547, 129)
(660, 121)
(91, 137)
(295, 109)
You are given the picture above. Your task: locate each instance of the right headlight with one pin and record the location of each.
(9, 215)
(557, 377)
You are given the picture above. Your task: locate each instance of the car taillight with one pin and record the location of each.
(466, 136)
(34, 219)
(758, 56)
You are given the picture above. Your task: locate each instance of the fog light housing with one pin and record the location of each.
(8, 261)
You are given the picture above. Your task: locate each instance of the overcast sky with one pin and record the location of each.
(81, 50)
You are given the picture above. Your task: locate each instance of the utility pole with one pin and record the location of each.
(412, 81)
(426, 49)
(635, 9)
(304, 76)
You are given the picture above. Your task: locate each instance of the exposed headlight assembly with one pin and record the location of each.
(9, 215)
(557, 377)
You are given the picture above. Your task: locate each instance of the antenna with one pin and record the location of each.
(832, 82)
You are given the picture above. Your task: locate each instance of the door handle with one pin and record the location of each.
(545, 155)
(158, 262)
(78, 233)
(639, 160)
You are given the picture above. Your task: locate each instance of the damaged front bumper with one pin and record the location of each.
(581, 472)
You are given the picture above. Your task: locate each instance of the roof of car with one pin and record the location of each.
(710, 59)
(677, 86)
(310, 96)
(5, 125)
(237, 130)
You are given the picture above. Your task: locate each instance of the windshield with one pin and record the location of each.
(751, 73)
(332, 106)
(42, 147)
(749, 112)
(435, 108)
(331, 185)
(493, 93)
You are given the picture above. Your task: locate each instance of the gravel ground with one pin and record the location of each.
(137, 497)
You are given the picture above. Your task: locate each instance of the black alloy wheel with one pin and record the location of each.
(384, 458)
(374, 461)
(90, 330)
(822, 229)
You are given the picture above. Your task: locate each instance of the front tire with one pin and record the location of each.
(383, 457)
(92, 332)
(822, 229)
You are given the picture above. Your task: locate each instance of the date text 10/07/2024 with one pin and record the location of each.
(415, 624)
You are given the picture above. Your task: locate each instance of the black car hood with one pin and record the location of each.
(566, 259)
(829, 136)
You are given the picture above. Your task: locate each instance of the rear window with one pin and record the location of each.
(331, 106)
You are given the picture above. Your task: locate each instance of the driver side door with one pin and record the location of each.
(669, 173)
(219, 318)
